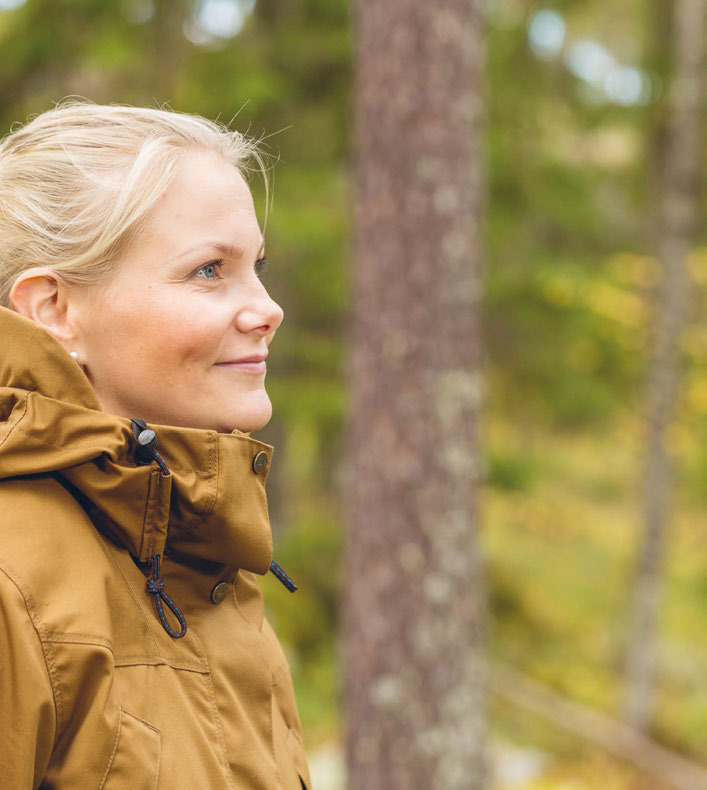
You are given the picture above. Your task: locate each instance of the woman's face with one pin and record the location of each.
(164, 337)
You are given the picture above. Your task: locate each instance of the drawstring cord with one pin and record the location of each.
(161, 463)
(146, 452)
(155, 586)
(282, 576)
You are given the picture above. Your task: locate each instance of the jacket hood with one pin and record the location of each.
(207, 502)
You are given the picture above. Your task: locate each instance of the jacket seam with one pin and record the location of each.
(159, 658)
(217, 718)
(280, 675)
(100, 448)
(271, 730)
(149, 726)
(152, 661)
(115, 749)
(296, 735)
(62, 637)
(91, 640)
(159, 754)
(142, 721)
(248, 622)
(154, 482)
(206, 473)
(31, 436)
(212, 477)
(16, 423)
(48, 654)
(267, 516)
(50, 444)
(131, 592)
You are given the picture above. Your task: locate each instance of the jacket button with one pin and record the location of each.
(219, 593)
(260, 462)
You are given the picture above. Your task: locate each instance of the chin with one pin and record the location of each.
(248, 420)
(246, 426)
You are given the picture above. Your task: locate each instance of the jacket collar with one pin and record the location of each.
(211, 504)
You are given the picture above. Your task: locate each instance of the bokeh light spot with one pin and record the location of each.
(546, 33)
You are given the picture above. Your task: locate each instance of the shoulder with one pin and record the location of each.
(43, 529)
(51, 550)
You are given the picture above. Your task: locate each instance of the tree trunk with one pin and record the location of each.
(414, 608)
(169, 48)
(677, 209)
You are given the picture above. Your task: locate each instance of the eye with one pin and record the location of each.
(210, 271)
(261, 266)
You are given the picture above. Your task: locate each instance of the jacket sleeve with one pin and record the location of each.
(27, 704)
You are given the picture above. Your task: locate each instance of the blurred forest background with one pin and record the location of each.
(574, 117)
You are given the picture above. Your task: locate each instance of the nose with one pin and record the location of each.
(262, 314)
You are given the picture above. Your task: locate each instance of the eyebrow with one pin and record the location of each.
(226, 249)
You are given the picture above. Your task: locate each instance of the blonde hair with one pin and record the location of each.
(77, 183)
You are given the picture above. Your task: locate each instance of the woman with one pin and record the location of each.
(133, 517)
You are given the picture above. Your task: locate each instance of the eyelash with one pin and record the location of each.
(261, 266)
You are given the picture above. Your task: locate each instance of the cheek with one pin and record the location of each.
(168, 335)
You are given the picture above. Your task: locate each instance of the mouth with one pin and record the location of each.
(254, 364)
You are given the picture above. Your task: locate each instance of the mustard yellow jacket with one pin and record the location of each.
(101, 687)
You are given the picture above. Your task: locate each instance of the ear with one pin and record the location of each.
(43, 296)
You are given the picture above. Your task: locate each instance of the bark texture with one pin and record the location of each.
(414, 608)
(676, 216)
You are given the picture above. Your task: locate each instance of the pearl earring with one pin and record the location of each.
(75, 356)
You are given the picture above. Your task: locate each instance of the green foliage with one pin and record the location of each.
(509, 472)
(306, 620)
(565, 321)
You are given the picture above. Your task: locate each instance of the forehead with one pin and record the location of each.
(207, 198)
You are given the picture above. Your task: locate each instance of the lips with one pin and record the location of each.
(254, 358)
